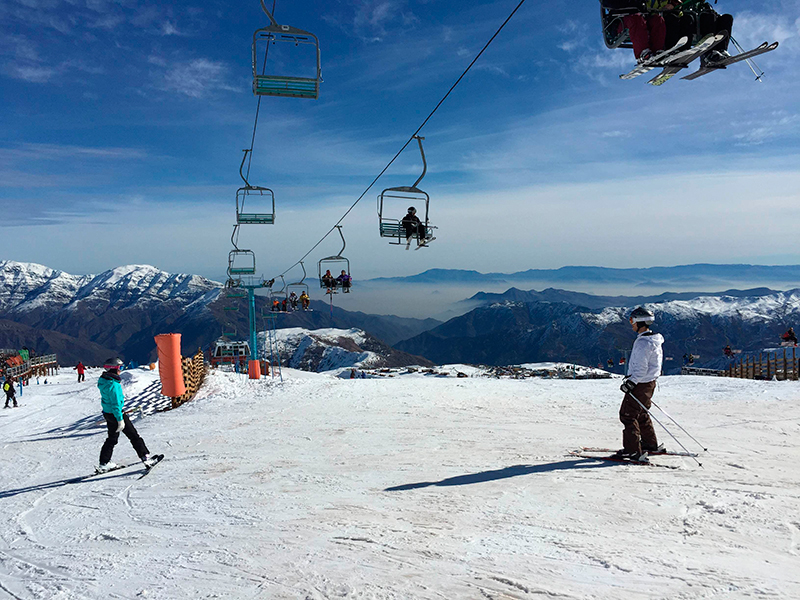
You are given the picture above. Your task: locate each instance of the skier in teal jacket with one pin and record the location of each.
(112, 400)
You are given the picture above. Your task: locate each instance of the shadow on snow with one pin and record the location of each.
(514, 471)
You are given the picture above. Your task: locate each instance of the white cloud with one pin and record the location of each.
(195, 78)
(32, 74)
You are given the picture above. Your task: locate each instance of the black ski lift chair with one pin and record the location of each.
(299, 286)
(334, 264)
(283, 85)
(241, 262)
(615, 34)
(398, 199)
(263, 199)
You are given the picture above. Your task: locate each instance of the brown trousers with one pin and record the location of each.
(638, 432)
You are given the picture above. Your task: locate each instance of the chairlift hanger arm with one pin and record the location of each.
(241, 167)
(269, 14)
(424, 162)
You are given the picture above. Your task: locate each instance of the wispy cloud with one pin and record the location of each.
(196, 78)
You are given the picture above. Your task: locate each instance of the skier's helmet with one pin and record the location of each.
(411, 209)
(112, 363)
(642, 315)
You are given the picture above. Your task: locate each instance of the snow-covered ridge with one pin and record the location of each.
(26, 287)
(321, 349)
(750, 309)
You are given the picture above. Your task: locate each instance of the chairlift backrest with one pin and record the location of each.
(266, 84)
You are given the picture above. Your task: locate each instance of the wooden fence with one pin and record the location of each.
(36, 366)
(194, 372)
(773, 366)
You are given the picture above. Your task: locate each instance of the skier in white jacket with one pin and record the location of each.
(644, 367)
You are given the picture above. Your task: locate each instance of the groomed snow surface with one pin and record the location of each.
(405, 487)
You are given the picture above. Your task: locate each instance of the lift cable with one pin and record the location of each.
(255, 126)
(410, 139)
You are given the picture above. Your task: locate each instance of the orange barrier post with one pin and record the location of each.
(254, 369)
(169, 364)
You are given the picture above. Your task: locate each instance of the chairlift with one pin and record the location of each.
(334, 264)
(248, 195)
(400, 197)
(300, 286)
(283, 85)
(241, 262)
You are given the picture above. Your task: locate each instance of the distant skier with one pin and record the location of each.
(644, 367)
(11, 395)
(413, 225)
(728, 351)
(688, 359)
(305, 301)
(81, 370)
(285, 305)
(345, 281)
(293, 300)
(789, 336)
(112, 400)
(328, 280)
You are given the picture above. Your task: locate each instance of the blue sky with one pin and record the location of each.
(123, 124)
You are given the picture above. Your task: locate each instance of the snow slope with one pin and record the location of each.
(402, 488)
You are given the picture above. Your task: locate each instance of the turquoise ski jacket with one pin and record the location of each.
(111, 397)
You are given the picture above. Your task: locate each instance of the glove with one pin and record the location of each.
(121, 425)
(627, 385)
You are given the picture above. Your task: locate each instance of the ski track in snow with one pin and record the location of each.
(401, 488)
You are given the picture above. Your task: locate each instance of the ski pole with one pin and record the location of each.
(664, 427)
(679, 425)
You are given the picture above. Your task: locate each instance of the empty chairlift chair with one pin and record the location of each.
(397, 200)
(335, 265)
(241, 262)
(265, 82)
(254, 205)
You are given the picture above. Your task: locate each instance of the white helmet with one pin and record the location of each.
(642, 315)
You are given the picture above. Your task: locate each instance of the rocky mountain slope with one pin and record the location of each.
(519, 332)
(328, 349)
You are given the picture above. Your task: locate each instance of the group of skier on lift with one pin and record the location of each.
(660, 24)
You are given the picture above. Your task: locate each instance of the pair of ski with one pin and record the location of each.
(590, 453)
(158, 457)
(422, 245)
(674, 60)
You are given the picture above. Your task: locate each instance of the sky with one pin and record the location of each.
(123, 125)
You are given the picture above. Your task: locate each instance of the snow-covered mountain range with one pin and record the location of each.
(119, 311)
(28, 287)
(513, 332)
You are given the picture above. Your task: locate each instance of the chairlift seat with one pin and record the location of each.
(392, 228)
(256, 219)
(288, 87)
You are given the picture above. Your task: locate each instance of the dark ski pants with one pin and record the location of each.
(81, 377)
(678, 27)
(11, 398)
(413, 229)
(113, 436)
(713, 23)
(638, 432)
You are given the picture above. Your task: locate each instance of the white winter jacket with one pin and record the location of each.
(646, 357)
